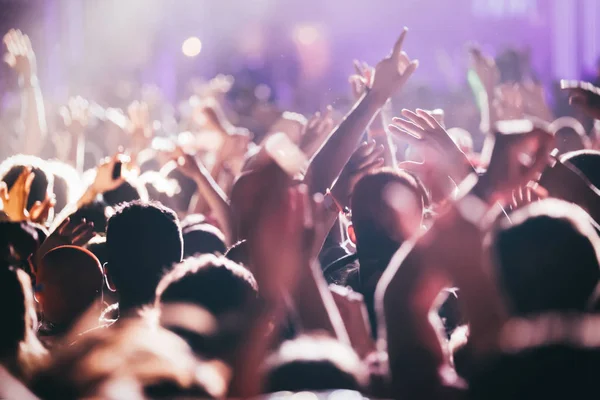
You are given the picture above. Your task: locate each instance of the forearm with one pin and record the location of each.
(380, 133)
(33, 116)
(404, 298)
(315, 305)
(88, 196)
(330, 159)
(414, 347)
(216, 199)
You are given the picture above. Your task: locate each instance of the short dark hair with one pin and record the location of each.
(142, 240)
(126, 192)
(203, 239)
(546, 258)
(98, 212)
(43, 182)
(217, 284)
(587, 162)
(315, 363)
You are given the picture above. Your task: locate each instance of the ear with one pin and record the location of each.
(351, 233)
(109, 282)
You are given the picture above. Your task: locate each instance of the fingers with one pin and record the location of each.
(410, 69)
(76, 228)
(62, 228)
(429, 118)
(28, 182)
(363, 150)
(409, 127)
(417, 119)
(373, 164)
(83, 235)
(405, 135)
(398, 45)
(370, 158)
(40, 210)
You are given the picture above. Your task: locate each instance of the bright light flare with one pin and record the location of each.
(191, 46)
(306, 34)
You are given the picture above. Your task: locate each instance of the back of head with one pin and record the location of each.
(132, 360)
(239, 253)
(316, 363)
(97, 245)
(549, 356)
(587, 162)
(18, 240)
(142, 240)
(387, 208)
(97, 212)
(569, 135)
(203, 239)
(43, 182)
(126, 192)
(70, 280)
(547, 259)
(215, 283)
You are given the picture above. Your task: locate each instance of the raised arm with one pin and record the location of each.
(279, 247)
(209, 190)
(391, 74)
(377, 130)
(21, 58)
(452, 252)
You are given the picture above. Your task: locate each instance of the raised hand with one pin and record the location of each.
(139, 126)
(67, 233)
(187, 163)
(316, 131)
(368, 157)
(209, 115)
(283, 221)
(525, 195)
(517, 159)
(485, 68)
(75, 115)
(105, 181)
(393, 72)
(362, 80)
(15, 200)
(421, 130)
(20, 55)
(234, 148)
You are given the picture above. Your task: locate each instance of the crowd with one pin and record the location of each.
(239, 250)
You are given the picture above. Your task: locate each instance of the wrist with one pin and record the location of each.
(27, 81)
(336, 200)
(374, 99)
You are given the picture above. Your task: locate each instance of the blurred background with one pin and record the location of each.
(108, 49)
